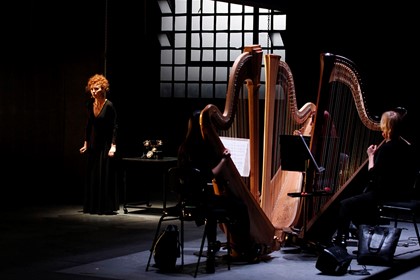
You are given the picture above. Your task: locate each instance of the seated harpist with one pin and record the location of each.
(193, 153)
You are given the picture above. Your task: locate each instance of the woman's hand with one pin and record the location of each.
(83, 149)
(371, 150)
(112, 151)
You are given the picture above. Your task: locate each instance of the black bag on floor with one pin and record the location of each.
(377, 244)
(334, 260)
(167, 249)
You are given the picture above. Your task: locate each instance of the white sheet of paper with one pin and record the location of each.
(239, 150)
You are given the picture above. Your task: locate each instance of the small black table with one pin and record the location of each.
(161, 165)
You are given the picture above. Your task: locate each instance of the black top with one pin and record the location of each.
(394, 171)
(101, 130)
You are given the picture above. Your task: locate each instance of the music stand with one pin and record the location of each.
(292, 152)
(295, 152)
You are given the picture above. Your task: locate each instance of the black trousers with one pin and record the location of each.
(358, 209)
(236, 212)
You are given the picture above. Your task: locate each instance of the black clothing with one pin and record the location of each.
(101, 191)
(394, 171)
(194, 152)
(391, 178)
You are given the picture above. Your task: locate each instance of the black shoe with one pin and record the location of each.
(210, 263)
(340, 241)
(354, 232)
(212, 249)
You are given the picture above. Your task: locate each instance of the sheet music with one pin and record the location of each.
(240, 154)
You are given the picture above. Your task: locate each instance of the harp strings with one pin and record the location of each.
(345, 136)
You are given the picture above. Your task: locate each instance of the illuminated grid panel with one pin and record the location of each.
(204, 37)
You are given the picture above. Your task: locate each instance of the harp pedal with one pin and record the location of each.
(290, 241)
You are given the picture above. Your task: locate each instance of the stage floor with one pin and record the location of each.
(60, 242)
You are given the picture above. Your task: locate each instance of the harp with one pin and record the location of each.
(282, 117)
(245, 70)
(343, 129)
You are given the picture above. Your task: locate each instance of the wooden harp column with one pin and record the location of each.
(246, 69)
(282, 117)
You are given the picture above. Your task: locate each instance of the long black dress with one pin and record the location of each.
(101, 188)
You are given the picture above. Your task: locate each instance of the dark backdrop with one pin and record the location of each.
(49, 50)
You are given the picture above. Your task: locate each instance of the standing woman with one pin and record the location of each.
(100, 144)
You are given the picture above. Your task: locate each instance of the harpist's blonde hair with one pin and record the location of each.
(391, 124)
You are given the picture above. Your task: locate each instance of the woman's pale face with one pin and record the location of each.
(382, 125)
(384, 129)
(96, 91)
